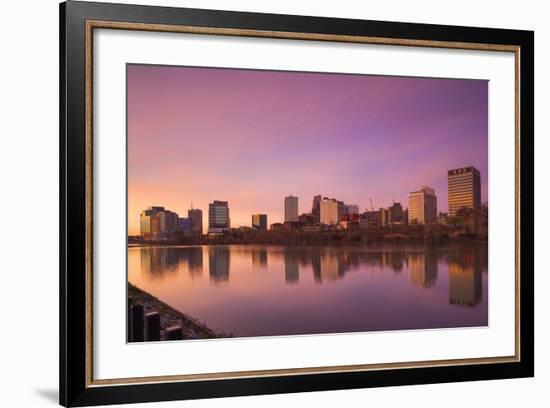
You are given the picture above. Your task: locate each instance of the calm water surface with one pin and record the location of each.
(274, 290)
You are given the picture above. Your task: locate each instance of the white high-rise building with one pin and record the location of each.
(330, 212)
(291, 208)
(422, 206)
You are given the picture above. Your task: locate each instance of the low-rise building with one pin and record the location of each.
(276, 226)
(395, 214)
(259, 222)
(185, 226)
(372, 219)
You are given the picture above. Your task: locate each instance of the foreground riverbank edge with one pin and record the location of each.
(168, 313)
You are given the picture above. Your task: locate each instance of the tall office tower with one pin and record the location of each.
(464, 189)
(422, 206)
(218, 217)
(145, 220)
(158, 223)
(196, 221)
(291, 208)
(341, 211)
(330, 211)
(167, 223)
(259, 222)
(316, 209)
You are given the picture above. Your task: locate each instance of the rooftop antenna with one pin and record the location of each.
(371, 206)
(191, 204)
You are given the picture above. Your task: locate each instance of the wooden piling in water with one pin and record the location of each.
(136, 323)
(173, 333)
(152, 326)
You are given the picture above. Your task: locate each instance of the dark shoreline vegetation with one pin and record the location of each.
(192, 328)
(406, 234)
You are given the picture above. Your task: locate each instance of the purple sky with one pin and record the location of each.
(253, 137)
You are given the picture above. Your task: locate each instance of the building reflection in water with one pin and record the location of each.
(395, 259)
(332, 266)
(422, 268)
(465, 265)
(218, 263)
(374, 258)
(318, 289)
(329, 266)
(194, 261)
(259, 258)
(465, 277)
(292, 271)
(316, 264)
(155, 262)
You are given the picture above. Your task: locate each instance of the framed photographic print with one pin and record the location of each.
(256, 203)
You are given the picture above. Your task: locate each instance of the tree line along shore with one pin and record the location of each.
(394, 234)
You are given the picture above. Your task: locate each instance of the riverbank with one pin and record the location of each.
(192, 328)
(412, 234)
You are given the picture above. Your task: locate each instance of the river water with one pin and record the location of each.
(255, 290)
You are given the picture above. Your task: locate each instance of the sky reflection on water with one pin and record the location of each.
(274, 290)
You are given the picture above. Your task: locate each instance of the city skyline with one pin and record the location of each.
(353, 137)
(325, 211)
